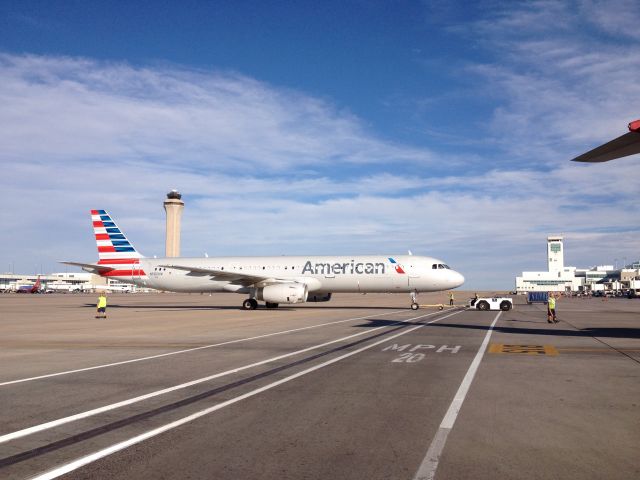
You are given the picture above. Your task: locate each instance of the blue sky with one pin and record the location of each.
(321, 127)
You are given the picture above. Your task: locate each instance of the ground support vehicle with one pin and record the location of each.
(491, 303)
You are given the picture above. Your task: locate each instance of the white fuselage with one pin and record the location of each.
(348, 274)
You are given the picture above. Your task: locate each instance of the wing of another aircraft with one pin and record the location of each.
(245, 279)
(624, 145)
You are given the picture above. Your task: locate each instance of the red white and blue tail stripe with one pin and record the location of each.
(114, 249)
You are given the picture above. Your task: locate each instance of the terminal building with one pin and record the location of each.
(66, 282)
(561, 278)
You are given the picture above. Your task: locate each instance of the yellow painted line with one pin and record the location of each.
(439, 305)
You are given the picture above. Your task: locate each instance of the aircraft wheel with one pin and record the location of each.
(271, 305)
(250, 304)
(415, 306)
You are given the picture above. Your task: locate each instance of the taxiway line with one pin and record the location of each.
(80, 462)
(89, 413)
(114, 364)
(429, 465)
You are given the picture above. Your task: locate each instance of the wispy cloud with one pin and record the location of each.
(562, 76)
(80, 110)
(616, 17)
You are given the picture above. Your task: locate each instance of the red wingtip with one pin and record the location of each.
(635, 126)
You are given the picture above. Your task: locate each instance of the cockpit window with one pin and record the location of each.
(434, 266)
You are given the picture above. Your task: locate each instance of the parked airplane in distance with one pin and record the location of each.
(35, 288)
(624, 145)
(273, 280)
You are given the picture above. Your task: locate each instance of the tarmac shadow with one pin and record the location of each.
(613, 332)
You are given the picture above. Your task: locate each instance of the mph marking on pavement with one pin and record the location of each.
(524, 349)
(413, 354)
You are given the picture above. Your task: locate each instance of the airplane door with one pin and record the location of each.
(413, 278)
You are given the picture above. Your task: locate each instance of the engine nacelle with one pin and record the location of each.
(283, 293)
(318, 297)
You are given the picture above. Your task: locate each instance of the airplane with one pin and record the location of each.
(273, 280)
(624, 145)
(35, 288)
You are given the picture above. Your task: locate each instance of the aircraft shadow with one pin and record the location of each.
(167, 307)
(613, 332)
(235, 307)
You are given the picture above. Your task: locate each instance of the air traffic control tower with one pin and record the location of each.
(555, 253)
(173, 205)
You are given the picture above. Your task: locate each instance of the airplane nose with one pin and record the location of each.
(457, 279)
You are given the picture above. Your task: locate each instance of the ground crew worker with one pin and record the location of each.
(551, 309)
(102, 306)
(451, 299)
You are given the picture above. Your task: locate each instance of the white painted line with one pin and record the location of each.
(80, 462)
(89, 413)
(429, 465)
(67, 372)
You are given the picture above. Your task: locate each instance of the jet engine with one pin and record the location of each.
(283, 293)
(318, 297)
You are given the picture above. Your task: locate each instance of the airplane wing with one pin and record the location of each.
(245, 279)
(624, 145)
(97, 269)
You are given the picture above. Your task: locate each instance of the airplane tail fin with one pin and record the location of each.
(113, 246)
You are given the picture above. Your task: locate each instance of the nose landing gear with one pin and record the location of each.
(414, 300)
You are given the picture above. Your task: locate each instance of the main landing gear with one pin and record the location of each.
(414, 300)
(250, 304)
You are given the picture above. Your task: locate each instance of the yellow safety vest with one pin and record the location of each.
(552, 303)
(102, 302)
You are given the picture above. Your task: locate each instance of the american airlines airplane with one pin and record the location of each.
(273, 280)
